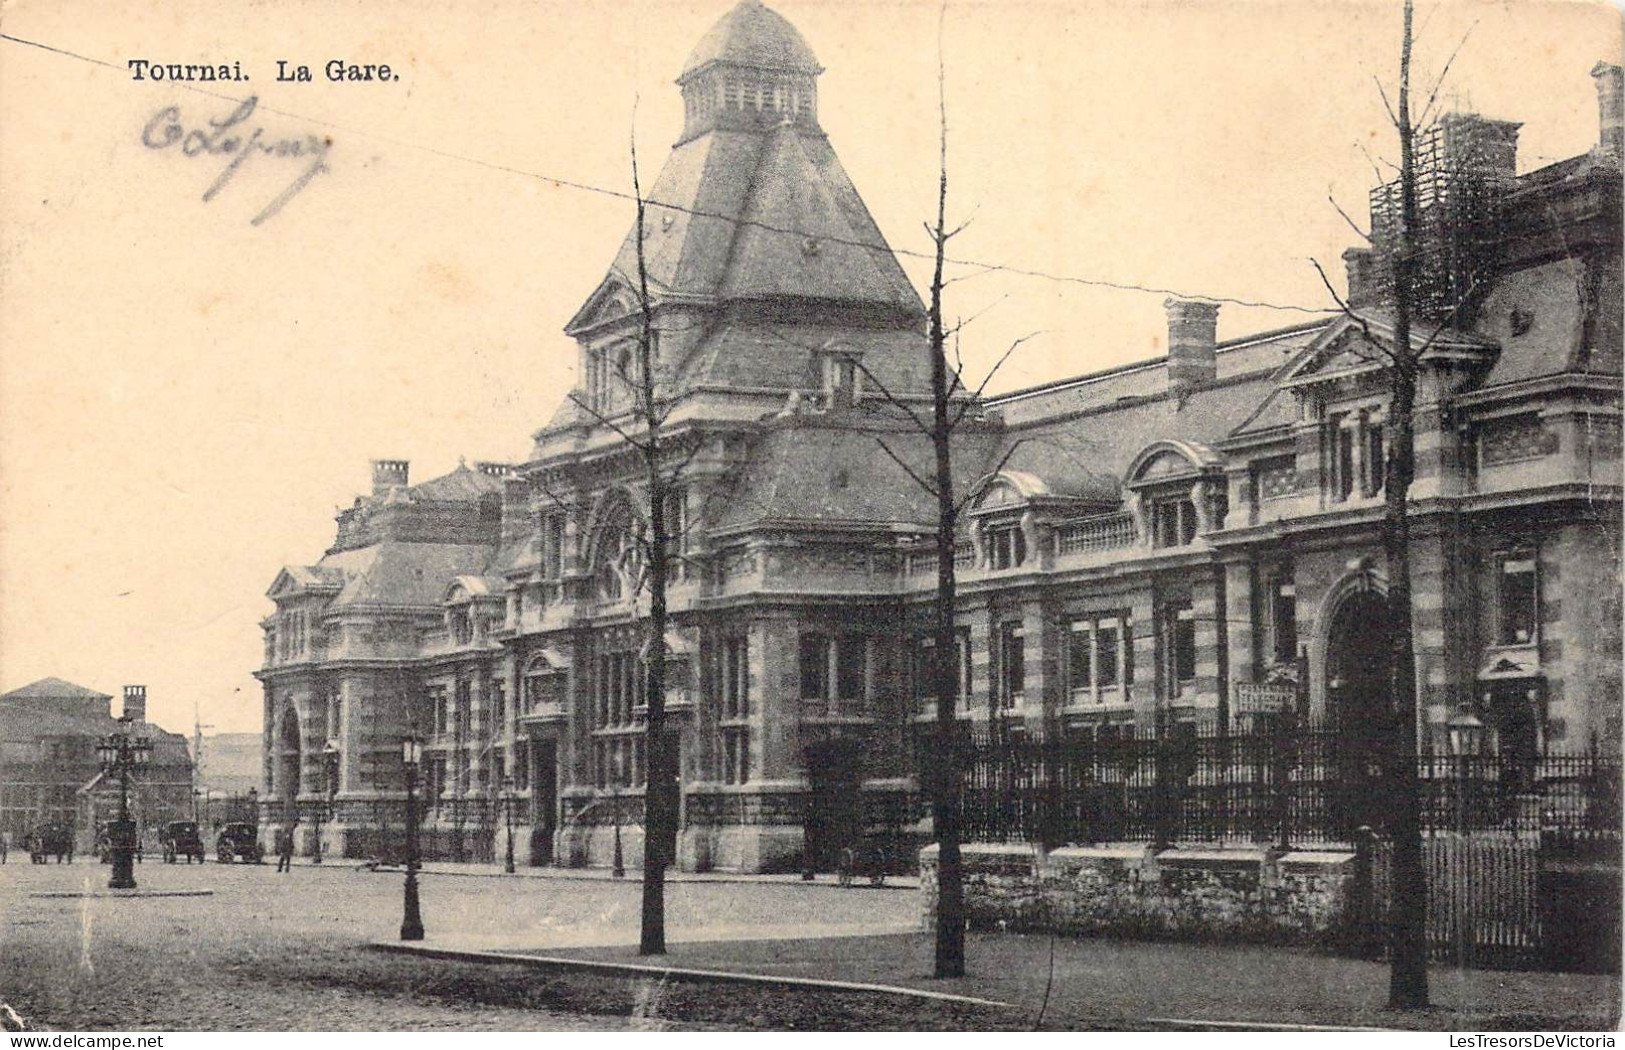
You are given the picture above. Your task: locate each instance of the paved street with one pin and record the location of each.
(269, 951)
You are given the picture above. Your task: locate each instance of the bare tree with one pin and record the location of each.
(1401, 247)
(643, 379)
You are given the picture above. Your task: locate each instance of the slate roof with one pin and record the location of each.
(464, 483)
(1248, 356)
(752, 35)
(821, 472)
(53, 689)
(781, 356)
(396, 573)
(720, 205)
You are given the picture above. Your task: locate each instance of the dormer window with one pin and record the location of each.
(1173, 522)
(1006, 546)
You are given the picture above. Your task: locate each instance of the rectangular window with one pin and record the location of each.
(521, 766)
(1179, 647)
(1007, 547)
(814, 660)
(1012, 654)
(736, 755)
(1374, 464)
(852, 667)
(1081, 657)
(553, 545)
(733, 677)
(499, 704)
(1280, 616)
(1173, 522)
(1107, 640)
(1517, 599)
(924, 670)
(1343, 465)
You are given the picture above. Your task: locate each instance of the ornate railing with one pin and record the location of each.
(1105, 533)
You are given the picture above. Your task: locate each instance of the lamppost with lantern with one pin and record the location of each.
(1466, 734)
(507, 816)
(120, 753)
(412, 918)
(330, 788)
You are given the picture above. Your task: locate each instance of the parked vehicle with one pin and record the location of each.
(238, 842)
(46, 840)
(181, 839)
(104, 841)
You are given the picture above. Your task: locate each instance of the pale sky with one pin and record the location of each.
(185, 398)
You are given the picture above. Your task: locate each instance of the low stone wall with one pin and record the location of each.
(1298, 897)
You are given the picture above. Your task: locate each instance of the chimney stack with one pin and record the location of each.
(1361, 265)
(1192, 344)
(1610, 108)
(387, 474)
(135, 704)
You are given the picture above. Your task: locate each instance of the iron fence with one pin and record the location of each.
(1286, 788)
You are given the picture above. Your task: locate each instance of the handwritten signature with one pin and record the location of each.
(226, 137)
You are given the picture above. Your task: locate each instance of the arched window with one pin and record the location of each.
(617, 560)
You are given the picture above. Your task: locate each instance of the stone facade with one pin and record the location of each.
(1157, 544)
(50, 771)
(1299, 897)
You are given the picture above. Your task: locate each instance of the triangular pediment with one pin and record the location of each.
(611, 301)
(285, 585)
(1343, 349)
(1353, 345)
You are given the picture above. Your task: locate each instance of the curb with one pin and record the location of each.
(632, 878)
(115, 894)
(550, 962)
(1196, 1024)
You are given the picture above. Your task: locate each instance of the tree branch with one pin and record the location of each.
(610, 423)
(926, 485)
(960, 505)
(1351, 223)
(977, 396)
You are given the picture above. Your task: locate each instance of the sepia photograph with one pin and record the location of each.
(811, 515)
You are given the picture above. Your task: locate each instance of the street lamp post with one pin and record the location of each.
(1466, 739)
(412, 919)
(120, 753)
(507, 817)
(1466, 734)
(330, 786)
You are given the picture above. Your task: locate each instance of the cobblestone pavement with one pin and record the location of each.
(254, 954)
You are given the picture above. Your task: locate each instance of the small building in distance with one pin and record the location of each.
(50, 772)
(228, 775)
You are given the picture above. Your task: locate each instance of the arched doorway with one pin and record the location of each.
(1359, 710)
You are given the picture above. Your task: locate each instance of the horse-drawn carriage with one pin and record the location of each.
(54, 838)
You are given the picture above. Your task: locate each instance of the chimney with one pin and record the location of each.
(494, 470)
(135, 704)
(1192, 342)
(1610, 107)
(387, 474)
(518, 516)
(1364, 288)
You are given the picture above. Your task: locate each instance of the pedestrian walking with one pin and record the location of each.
(5, 847)
(284, 849)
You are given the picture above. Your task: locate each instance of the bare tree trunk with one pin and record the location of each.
(658, 823)
(1407, 934)
(950, 946)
